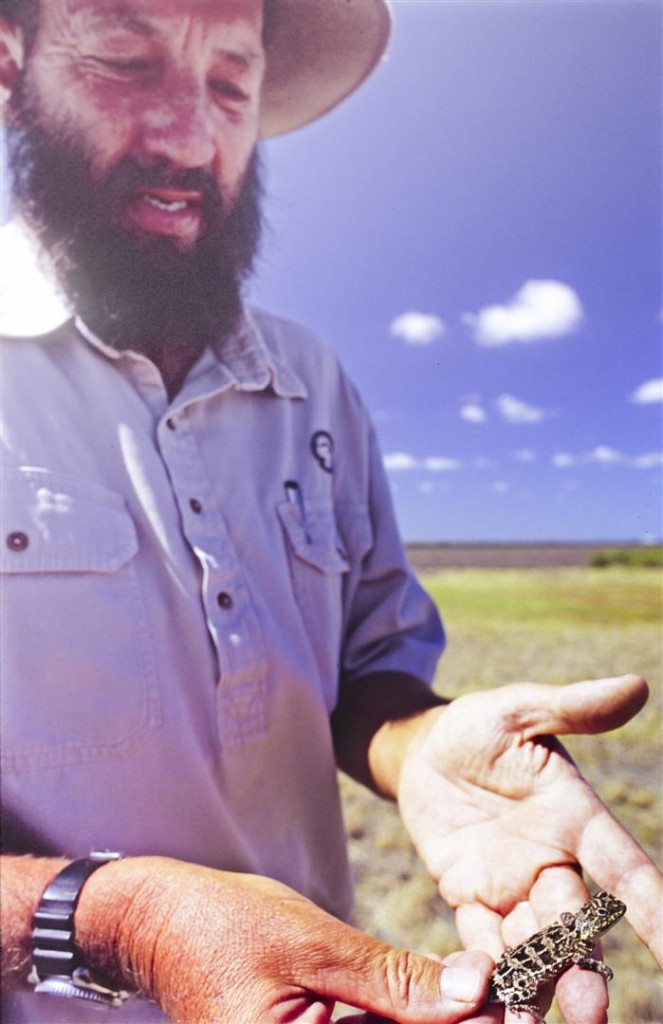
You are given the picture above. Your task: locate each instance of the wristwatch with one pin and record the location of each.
(58, 965)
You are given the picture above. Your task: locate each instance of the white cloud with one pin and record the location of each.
(418, 328)
(525, 455)
(441, 464)
(650, 391)
(514, 410)
(649, 460)
(603, 455)
(540, 309)
(500, 486)
(398, 461)
(471, 412)
(562, 460)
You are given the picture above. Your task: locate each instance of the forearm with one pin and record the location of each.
(102, 918)
(374, 722)
(22, 881)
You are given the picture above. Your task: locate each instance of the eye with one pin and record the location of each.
(125, 66)
(229, 91)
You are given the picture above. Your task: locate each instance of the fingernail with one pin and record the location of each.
(460, 984)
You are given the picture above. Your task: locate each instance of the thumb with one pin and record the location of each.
(403, 986)
(590, 707)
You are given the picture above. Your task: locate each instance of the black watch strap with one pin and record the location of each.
(58, 966)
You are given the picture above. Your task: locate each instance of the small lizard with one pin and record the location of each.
(523, 969)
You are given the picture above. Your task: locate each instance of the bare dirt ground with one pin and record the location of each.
(433, 557)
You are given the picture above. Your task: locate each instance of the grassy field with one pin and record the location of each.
(551, 626)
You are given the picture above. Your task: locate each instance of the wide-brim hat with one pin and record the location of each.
(318, 52)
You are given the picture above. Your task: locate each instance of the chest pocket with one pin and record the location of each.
(325, 552)
(79, 680)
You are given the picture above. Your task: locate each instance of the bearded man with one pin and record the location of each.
(207, 604)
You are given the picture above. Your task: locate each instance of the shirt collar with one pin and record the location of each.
(32, 306)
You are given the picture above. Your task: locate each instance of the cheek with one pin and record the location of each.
(234, 150)
(104, 126)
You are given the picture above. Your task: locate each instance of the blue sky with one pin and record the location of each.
(477, 233)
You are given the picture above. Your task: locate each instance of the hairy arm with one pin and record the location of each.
(22, 881)
(233, 948)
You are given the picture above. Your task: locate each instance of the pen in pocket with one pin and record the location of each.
(293, 493)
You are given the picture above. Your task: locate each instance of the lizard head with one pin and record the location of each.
(598, 914)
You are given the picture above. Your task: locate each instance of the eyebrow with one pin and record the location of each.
(244, 60)
(119, 15)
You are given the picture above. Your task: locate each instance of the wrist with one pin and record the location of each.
(392, 743)
(115, 921)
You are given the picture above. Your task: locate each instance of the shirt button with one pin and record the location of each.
(224, 601)
(17, 541)
(196, 506)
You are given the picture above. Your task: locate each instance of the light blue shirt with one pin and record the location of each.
(183, 583)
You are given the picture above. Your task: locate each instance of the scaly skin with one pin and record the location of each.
(522, 971)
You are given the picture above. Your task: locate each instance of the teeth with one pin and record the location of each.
(161, 204)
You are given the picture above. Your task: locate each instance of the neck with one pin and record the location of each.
(174, 363)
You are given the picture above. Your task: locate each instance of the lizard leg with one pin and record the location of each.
(532, 1010)
(590, 964)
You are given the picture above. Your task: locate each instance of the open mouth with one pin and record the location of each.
(174, 206)
(174, 213)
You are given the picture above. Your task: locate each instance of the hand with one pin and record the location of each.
(228, 948)
(502, 818)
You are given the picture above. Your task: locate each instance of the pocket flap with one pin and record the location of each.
(55, 523)
(316, 540)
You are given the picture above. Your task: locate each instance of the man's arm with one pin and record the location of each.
(373, 723)
(215, 946)
(22, 881)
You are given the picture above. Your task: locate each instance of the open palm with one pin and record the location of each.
(502, 818)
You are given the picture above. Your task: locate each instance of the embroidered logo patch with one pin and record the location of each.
(322, 446)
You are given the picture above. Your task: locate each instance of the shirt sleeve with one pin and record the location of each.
(391, 622)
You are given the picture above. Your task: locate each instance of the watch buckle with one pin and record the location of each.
(80, 985)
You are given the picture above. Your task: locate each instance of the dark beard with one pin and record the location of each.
(133, 291)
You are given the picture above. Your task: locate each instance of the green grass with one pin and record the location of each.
(550, 626)
(547, 597)
(634, 558)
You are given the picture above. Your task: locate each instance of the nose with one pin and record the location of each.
(176, 125)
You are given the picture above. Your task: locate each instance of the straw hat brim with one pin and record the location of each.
(318, 52)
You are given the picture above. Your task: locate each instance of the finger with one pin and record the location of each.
(318, 1012)
(582, 994)
(618, 863)
(519, 924)
(361, 1018)
(480, 927)
(400, 985)
(589, 707)
(558, 889)
(489, 1013)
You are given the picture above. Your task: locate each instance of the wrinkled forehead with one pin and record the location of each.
(143, 15)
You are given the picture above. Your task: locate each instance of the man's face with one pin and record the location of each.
(132, 138)
(168, 83)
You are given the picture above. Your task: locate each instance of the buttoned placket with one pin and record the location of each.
(226, 600)
(230, 616)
